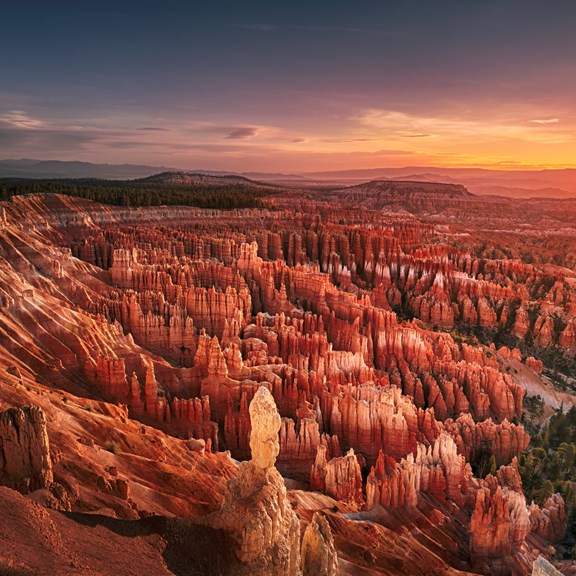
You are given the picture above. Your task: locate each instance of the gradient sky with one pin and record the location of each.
(290, 86)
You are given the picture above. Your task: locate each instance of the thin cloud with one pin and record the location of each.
(347, 140)
(393, 124)
(127, 144)
(153, 129)
(13, 138)
(20, 119)
(242, 133)
(233, 131)
(546, 121)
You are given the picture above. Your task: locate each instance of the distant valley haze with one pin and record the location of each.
(511, 183)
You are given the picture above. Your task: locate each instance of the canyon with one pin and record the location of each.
(334, 383)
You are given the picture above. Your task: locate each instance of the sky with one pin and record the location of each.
(290, 86)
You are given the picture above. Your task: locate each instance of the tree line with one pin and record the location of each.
(225, 196)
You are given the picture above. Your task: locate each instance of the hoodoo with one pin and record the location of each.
(256, 510)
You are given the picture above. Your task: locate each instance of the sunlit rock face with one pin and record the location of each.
(25, 462)
(256, 511)
(438, 470)
(374, 356)
(319, 557)
(542, 567)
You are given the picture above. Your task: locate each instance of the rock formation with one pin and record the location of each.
(437, 470)
(542, 567)
(340, 477)
(319, 557)
(25, 462)
(146, 333)
(256, 510)
(500, 522)
(550, 521)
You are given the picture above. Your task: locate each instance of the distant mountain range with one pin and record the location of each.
(511, 183)
(27, 168)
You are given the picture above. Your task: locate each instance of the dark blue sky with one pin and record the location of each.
(289, 86)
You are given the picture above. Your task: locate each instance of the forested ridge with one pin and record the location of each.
(146, 192)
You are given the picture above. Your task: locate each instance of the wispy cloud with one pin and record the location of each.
(393, 124)
(357, 136)
(20, 119)
(30, 140)
(347, 140)
(546, 121)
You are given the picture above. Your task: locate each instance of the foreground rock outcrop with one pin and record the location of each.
(25, 462)
(256, 510)
(319, 556)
